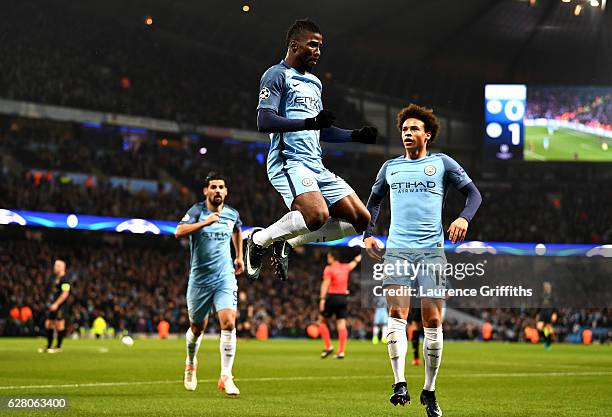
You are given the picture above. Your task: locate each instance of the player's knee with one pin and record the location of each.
(398, 313)
(227, 324)
(197, 329)
(433, 322)
(315, 219)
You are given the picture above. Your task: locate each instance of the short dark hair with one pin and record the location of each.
(423, 114)
(335, 254)
(212, 175)
(300, 27)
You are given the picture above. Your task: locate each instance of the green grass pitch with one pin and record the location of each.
(287, 378)
(563, 144)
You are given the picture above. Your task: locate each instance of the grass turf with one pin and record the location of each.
(287, 378)
(563, 144)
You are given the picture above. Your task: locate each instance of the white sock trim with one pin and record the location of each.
(193, 345)
(433, 344)
(332, 230)
(397, 345)
(289, 226)
(227, 348)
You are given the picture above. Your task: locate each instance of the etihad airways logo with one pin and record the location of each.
(310, 102)
(218, 236)
(413, 186)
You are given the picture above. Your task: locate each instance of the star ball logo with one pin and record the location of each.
(264, 94)
(430, 170)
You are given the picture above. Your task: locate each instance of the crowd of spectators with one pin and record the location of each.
(591, 106)
(130, 69)
(134, 283)
(537, 210)
(134, 286)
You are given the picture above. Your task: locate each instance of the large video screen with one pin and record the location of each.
(543, 123)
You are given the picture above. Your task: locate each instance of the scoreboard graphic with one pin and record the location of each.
(504, 113)
(548, 123)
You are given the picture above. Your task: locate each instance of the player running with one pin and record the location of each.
(211, 225)
(59, 308)
(323, 207)
(334, 300)
(417, 183)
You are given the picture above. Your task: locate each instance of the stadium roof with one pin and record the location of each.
(442, 50)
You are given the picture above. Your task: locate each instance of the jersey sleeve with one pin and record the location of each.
(238, 222)
(454, 173)
(379, 191)
(381, 187)
(192, 215)
(67, 281)
(327, 274)
(271, 89)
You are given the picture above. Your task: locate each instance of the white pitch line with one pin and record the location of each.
(535, 155)
(307, 378)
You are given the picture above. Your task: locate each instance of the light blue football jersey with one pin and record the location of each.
(417, 189)
(292, 95)
(211, 257)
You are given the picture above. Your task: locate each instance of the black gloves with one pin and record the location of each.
(366, 134)
(324, 119)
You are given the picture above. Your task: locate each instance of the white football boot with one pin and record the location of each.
(191, 381)
(226, 383)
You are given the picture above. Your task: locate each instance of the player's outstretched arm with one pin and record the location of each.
(269, 121)
(353, 264)
(324, 288)
(458, 228)
(185, 229)
(333, 134)
(379, 191)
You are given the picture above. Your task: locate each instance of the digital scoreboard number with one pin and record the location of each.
(504, 112)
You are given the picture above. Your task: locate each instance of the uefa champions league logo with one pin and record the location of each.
(140, 226)
(264, 94)
(10, 217)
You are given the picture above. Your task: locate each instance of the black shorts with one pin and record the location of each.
(546, 315)
(60, 314)
(335, 304)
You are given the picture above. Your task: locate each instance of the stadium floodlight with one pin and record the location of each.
(594, 3)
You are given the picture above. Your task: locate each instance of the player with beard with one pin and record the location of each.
(211, 225)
